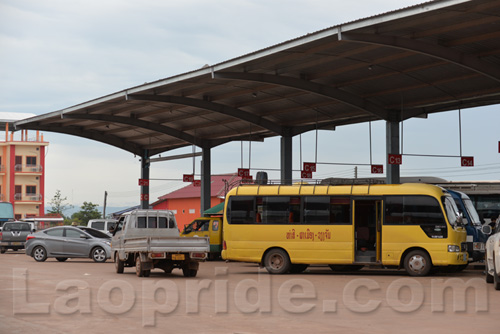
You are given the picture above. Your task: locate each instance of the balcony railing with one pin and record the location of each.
(2, 168)
(28, 197)
(28, 168)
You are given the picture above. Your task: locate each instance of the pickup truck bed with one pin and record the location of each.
(148, 239)
(13, 235)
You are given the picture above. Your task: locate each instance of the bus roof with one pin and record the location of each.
(358, 190)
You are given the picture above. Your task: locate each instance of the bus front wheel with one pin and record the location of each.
(277, 261)
(417, 263)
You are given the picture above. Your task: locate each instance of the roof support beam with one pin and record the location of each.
(137, 123)
(212, 106)
(93, 135)
(470, 62)
(311, 87)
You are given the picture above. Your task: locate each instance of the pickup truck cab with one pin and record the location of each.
(13, 235)
(210, 227)
(148, 239)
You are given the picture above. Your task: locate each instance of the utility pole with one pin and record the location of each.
(356, 172)
(104, 208)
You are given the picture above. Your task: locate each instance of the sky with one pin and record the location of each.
(57, 53)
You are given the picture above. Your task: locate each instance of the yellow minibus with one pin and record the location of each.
(286, 228)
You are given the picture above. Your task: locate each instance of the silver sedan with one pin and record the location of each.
(65, 242)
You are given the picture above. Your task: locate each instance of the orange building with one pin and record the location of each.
(186, 202)
(22, 173)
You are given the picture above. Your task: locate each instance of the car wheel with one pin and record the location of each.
(61, 259)
(99, 255)
(489, 278)
(119, 264)
(496, 279)
(277, 261)
(39, 254)
(417, 263)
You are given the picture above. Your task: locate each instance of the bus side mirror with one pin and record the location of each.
(460, 219)
(486, 229)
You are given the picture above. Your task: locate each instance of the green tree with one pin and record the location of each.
(58, 204)
(88, 211)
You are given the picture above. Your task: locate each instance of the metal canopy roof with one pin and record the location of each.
(433, 57)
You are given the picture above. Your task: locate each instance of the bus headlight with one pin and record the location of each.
(453, 248)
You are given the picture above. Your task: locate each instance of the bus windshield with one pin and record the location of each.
(451, 210)
(472, 212)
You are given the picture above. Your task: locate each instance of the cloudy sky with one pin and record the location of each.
(57, 53)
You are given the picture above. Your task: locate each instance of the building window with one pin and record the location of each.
(31, 190)
(31, 161)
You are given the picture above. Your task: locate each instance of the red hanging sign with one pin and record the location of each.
(197, 183)
(377, 169)
(467, 161)
(188, 178)
(395, 159)
(306, 175)
(244, 173)
(309, 167)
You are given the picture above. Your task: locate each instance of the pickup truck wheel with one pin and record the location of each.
(277, 261)
(189, 272)
(3, 250)
(39, 254)
(99, 255)
(61, 259)
(139, 267)
(119, 264)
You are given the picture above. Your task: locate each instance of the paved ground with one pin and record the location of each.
(79, 296)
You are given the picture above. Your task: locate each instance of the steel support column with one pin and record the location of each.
(205, 181)
(145, 164)
(392, 147)
(286, 160)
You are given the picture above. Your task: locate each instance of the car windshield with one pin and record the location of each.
(472, 212)
(16, 227)
(95, 233)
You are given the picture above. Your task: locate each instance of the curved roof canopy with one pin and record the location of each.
(433, 57)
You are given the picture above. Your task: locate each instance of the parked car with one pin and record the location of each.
(103, 225)
(13, 235)
(65, 242)
(492, 257)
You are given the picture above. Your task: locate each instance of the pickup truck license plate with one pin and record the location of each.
(178, 257)
(16, 243)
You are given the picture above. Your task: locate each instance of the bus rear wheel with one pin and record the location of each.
(417, 263)
(277, 262)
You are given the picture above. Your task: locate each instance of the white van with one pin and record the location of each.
(102, 224)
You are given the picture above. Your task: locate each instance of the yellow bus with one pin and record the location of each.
(286, 228)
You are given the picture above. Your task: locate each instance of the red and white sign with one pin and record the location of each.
(309, 167)
(377, 169)
(197, 183)
(244, 173)
(306, 175)
(395, 159)
(188, 178)
(144, 182)
(144, 197)
(467, 161)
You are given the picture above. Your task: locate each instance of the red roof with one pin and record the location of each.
(217, 187)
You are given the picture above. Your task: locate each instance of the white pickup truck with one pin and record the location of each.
(149, 239)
